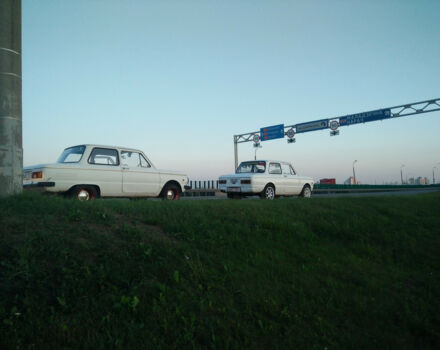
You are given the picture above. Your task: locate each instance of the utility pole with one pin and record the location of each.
(401, 174)
(354, 174)
(11, 145)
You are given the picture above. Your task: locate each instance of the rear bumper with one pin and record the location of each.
(38, 184)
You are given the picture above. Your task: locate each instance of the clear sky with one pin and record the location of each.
(177, 79)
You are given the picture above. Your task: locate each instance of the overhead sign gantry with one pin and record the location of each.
(279, 131)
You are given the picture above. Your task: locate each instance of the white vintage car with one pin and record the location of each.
(91, 171)
(267, 178)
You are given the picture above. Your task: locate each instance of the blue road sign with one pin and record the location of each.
(365, 117)
(312, 126)
(272, 132)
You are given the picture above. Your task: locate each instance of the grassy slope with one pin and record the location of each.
(360, 273)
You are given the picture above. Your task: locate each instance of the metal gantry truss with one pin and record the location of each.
(395, 112)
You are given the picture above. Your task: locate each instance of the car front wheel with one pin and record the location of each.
(268, 192)
(171, 193)
(306, 192)
(84, 193)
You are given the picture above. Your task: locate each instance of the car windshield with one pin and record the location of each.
(251, 167)
(71, 154)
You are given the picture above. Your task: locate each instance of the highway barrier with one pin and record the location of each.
(209, 188)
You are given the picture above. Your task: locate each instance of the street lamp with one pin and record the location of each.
(256, 146)
(354, 174)
(433, 180)
(401, 173)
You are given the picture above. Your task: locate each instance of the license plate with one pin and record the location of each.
(234, 189)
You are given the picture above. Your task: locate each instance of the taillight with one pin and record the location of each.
(245, 182)
(37, 175)
(222, 182)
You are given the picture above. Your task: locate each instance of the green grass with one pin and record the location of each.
(335, 273)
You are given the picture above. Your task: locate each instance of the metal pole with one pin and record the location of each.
(433, 178)
(11, 145)
(235, 153)
(438, 167)
(401, 173)
(354, 174)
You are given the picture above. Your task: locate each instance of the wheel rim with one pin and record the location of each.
(170, 194)
(83, 195)
(307, 192)
(270, 193)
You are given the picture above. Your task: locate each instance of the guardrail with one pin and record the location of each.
(365, 187)
(209, 188)
(204, 184)
(203, 188)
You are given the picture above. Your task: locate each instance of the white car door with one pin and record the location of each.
(103, 168)
(276, 177)
(298, 185)
(138, 177)
(290, 181)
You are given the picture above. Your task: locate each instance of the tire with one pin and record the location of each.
(268, 192)
(171, 192)
(306, 192)
(84, 193)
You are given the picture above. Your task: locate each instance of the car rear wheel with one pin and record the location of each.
(268, 192)
(84, 193)
(171, 193)
(306, 192)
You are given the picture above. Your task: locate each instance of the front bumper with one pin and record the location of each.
(38, 184)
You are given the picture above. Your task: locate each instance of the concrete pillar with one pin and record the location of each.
(11, 145)
(235, 153)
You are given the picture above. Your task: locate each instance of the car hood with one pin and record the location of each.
(50, 165)
(38, 166)
(171, 172)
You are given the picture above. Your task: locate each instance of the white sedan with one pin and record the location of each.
(267, 178)
(90, 171)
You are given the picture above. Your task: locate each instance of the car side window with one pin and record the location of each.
(144, 162)
(131, 159)
(134, 160)
(286, 169)
(274, 168)
(104, 156)
(292, 171)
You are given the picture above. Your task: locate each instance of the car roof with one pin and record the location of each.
(267, 161)
(107, 146)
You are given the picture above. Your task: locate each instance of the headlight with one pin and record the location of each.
(37, 175)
